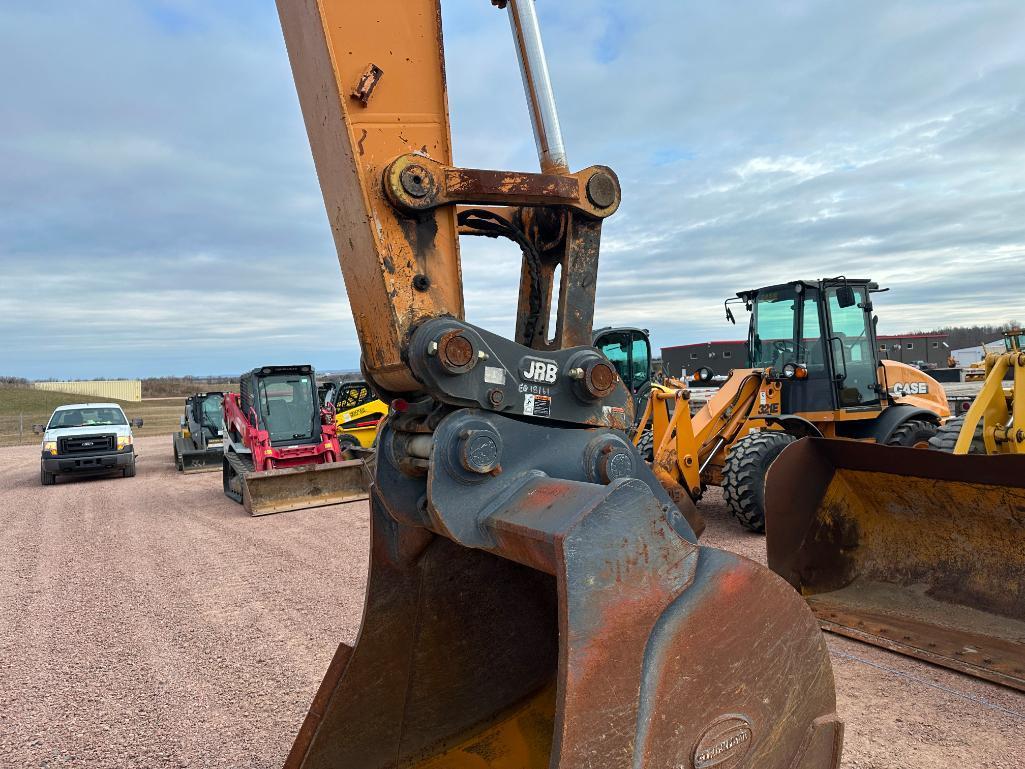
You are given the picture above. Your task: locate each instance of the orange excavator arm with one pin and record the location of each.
(535, 600)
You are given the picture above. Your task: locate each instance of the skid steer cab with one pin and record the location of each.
(198, 445)
(815, 371)
(358, 413)
(281, 450)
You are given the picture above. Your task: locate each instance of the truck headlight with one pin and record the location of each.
(123, 440)
(50, 447)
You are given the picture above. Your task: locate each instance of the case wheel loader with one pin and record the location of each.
(280, 449)
(198, 447)
(920, 552)
(534, 600)
(815, 371)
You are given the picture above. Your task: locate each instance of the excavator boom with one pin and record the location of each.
(535, 599)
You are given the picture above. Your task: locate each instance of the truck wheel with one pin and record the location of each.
(744, 475)
(915, 434)
(47, 479)
(946, 437)
(129, 470)
(646, 446)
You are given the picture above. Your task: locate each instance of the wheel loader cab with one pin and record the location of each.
(629, 351)
(818, 338)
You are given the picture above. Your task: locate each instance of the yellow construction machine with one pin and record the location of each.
(534, 601)
(995, 422)
(358, 412)
(815, 370)
(921, 552)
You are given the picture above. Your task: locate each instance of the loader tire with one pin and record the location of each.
(946, 437)
(646, 446)
(915, 434)
(744, 475)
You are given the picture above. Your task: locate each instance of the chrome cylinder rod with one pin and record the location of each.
(538, 86)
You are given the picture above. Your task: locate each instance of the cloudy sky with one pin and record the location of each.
(159, 211)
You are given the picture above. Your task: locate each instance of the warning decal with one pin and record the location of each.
(537, 405)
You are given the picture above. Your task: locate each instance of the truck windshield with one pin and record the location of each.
(87, 417)
(287, 408)
(212, 413)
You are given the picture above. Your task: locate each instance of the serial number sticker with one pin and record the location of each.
(537, 405)
(494, 375)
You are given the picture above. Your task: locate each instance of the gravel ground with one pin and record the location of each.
(149, 622)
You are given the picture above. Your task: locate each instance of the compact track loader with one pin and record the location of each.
(815, 371)
(198, 447)
(922, 552)
(280, 448)
(534, 600)
(358, 414)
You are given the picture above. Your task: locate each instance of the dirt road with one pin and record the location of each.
(149, 622)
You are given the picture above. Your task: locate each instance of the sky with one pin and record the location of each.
(160, 213)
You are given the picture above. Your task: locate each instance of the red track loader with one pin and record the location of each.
(280, 448)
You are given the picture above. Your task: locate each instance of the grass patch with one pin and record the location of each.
(22, 407)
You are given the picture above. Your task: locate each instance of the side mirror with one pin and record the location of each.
(845, 296)
(137, 422)
(39, 429)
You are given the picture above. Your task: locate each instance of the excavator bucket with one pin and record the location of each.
(294, 488)
(601, 637)
(921, 552)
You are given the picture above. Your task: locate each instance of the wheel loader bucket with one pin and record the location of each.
(602, 639)
(917, 551)
(298, 488)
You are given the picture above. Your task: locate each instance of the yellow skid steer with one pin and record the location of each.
(535, 600)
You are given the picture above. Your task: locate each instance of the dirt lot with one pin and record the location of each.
(149, 622)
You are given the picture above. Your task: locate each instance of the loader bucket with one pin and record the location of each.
(297, 488)
(601, 639)
(189, 459)
(921, 552)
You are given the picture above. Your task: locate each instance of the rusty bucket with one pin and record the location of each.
(583, 631)
(920, 552)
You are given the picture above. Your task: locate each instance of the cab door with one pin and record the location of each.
(851, 346)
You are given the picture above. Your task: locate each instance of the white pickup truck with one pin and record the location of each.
(87, 439)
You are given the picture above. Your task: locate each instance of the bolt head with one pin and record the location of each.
(417, 181)
(601, 190)
(479, 453)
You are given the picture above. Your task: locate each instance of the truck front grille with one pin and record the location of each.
(84, 444)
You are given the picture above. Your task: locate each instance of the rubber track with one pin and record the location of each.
(241, 467)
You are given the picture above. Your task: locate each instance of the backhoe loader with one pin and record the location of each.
(534, 600)
(814, 370)
(921, 552)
